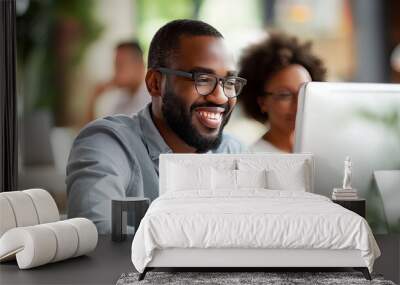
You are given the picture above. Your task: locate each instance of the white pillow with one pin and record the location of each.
(282, 174)
(183, 177)
(251, 178)
(223, 179)
(292, 178)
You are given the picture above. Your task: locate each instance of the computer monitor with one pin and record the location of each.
(360, 120)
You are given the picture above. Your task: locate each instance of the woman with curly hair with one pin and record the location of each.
(275, 69)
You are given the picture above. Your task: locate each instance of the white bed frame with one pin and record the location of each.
(234, 257)
(250, 258)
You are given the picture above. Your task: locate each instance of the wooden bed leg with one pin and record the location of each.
(364, 271)
(143, 274)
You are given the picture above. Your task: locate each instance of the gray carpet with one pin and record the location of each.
(228, 278)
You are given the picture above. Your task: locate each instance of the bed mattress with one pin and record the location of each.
(250, 219)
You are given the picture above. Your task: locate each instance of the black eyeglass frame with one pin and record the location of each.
(195, 74)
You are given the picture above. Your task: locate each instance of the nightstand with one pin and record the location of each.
(357, 206)
(133, 207)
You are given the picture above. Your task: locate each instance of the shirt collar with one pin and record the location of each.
(152, 137)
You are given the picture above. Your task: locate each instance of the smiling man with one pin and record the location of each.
(193, 86)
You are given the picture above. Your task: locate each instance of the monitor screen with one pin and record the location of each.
(360, 120)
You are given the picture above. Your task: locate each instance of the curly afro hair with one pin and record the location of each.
(261, 61)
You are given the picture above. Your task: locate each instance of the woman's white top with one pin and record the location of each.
(264, 146)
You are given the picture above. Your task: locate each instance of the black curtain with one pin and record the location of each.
(8, 99)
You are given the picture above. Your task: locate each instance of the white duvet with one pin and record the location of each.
(252, 218)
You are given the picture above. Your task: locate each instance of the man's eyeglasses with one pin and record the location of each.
(206, 83)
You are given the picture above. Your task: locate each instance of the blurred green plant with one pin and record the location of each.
(155, 13)
(52, 38)
(390, 120)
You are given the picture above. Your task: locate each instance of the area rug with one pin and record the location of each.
(273, 278)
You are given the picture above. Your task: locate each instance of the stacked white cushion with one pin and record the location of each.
(23, 208)
(46, 207)
(41, 244)
(26, 208)
(7, 218)
(32, 246)
(31, 232)
(67, 240)
(87, 235)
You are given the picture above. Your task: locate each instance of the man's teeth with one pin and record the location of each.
(210, 115)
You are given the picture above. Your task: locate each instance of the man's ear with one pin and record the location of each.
(262, 104)
(154, 82)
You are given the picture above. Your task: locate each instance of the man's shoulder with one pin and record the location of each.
(115, 123)
(122, 127)
(230, 144)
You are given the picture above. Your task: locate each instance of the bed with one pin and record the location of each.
(247, 211)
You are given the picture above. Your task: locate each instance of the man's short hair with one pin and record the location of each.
(165, 42)
(132, 45)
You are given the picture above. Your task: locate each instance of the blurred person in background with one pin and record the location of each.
(275, 70)
(126, 92)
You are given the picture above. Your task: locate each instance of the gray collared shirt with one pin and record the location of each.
(117, 157)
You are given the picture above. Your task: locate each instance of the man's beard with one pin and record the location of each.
(179, 119)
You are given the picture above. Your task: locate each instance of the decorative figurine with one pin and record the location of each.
(347, 173)
(347, 192)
